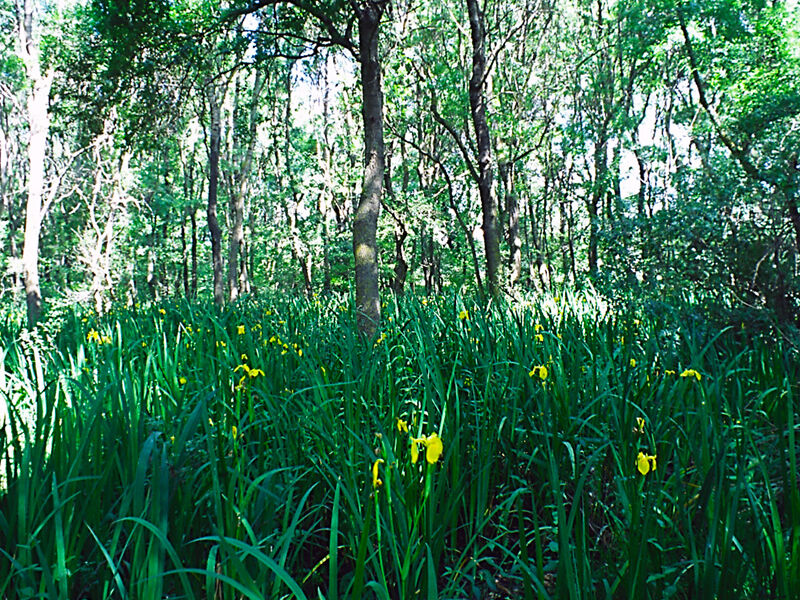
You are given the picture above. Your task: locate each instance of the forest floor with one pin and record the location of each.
(562, 447)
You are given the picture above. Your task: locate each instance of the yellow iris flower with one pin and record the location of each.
(645, 463)
(433, 448)
(539, 370)
(375, 481)
(691, 373)
(415, 449)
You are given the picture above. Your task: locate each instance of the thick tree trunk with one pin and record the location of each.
(477, 102)
(365, 221)
(39, 122)
(213, 183)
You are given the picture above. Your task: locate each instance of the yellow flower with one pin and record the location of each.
(105, 340)
(434, 448)
(162, 311)
(93, 336)
(144, 344)
(234, 431)
(645, 463)
(691, 373)
(244, 357)
(538, 327)
(539, 337)
(300, 352)
(182, 380)
(463, 315)
(633, 362)
(402, 426)
(415, 449)
(539, 370)
(243, 367)
(240, 330)
(375, 481)
(639, 425)
(669, 372)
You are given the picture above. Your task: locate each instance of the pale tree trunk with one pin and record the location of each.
(39, 122)
(300, 251)
(7, 203)
(326, 194)
(237, 266)
(365, 221)
(477, 102)
(98, 257)
(514, 241)
(213, 183)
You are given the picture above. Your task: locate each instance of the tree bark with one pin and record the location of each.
(365, 221)
(514, 241)
(194, 252)
(477, 103)
(39, 122)
(237, 267)
(213, 183)
(326, 194)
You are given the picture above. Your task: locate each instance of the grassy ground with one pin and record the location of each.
(266, 452)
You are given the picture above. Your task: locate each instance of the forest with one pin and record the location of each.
(399, 299)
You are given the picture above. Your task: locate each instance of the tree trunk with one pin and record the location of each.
(514, 241)
(194, 252)
(477, 104)
(39, 122)
(365, 221)
(400, 235)
(213, 183)
(326, 194)
(237, 266)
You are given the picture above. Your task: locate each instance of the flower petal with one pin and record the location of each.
(434, 448)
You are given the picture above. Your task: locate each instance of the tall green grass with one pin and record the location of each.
(186, 453)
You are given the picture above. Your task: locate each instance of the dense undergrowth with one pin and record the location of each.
(185, 453)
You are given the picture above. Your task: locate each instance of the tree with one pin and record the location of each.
(39, 125)
(367, 15)
(477, 102)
